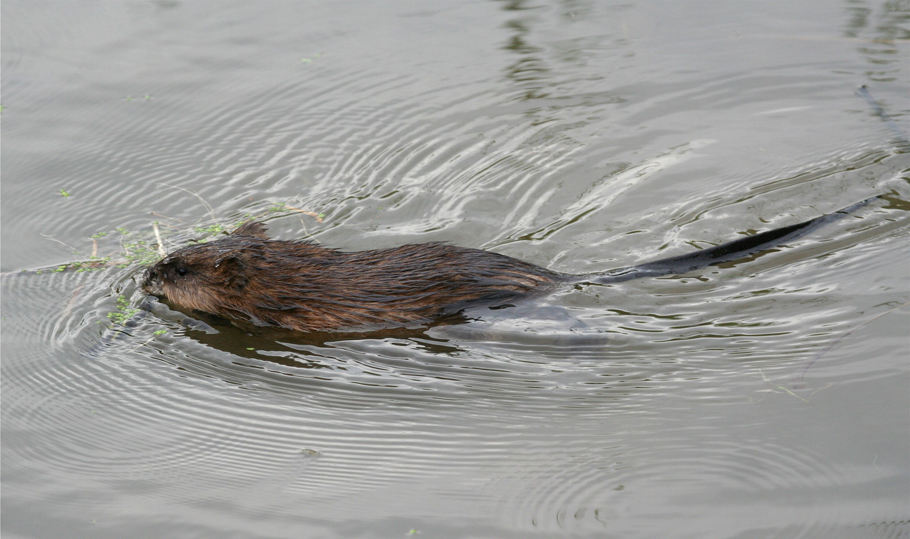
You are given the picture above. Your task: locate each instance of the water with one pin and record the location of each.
(578, 136)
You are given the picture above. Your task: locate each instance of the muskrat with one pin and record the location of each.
(306, 287)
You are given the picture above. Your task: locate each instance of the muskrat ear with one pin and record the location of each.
(253, 228)
(233, 268)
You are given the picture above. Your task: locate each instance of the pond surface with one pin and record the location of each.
(765, 398)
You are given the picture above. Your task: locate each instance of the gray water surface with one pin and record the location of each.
(765, 398)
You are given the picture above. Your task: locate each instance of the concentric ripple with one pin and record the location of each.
(581, 138)
(560, 407)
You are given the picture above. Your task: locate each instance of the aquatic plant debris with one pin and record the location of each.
(143, 248)
(124, 312)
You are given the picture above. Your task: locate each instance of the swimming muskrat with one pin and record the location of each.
(303, 286)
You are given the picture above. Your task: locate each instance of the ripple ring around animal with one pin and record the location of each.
(299, 285)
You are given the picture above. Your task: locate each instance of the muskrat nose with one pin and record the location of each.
(151, 283)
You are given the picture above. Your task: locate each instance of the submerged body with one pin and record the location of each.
(302, 286)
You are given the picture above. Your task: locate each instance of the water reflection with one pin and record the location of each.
(529, 70)
(881, 27)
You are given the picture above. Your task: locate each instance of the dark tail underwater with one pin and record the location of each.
(721, 253)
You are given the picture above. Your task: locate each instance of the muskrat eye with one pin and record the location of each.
(181, 271)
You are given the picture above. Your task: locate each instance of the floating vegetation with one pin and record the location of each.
(139, 248)
(210, 230)
(123, 313)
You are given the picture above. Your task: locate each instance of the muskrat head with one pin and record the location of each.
(207, 277)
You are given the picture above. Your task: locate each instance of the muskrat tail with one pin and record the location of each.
(721, 253)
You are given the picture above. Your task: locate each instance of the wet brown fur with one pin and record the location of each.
(306, 287)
